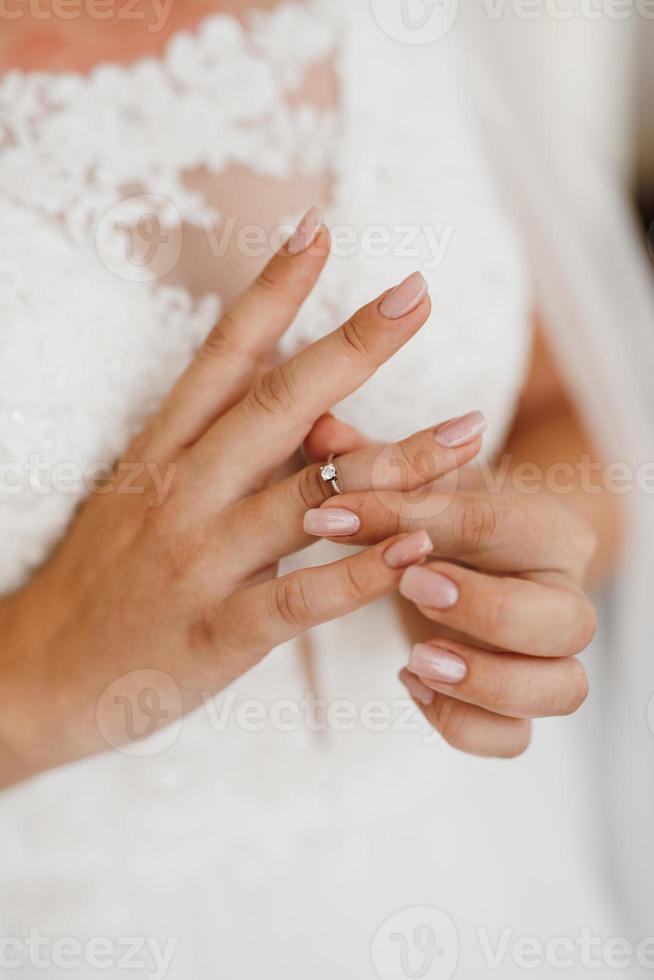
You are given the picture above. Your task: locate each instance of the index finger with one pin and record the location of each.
(276, 415)
(246, 334)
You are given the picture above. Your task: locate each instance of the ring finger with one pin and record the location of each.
(288, 516)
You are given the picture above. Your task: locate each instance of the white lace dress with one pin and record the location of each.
(262, 847)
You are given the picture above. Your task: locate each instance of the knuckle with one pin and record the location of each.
(273, 394)
(357, 582)
(498, 695)
(449, 720)
(585, 626)
(586, 545)
(202, 630)
(173, 540)
(495, 610)
(267, 281)
(222, 340)
(518, 743)
(289, 600)
(478, 524)
(180, 554)
(355, 337)
(577, 689)
(413, 462)
(311, 488)
(378, 517)
(579, 543)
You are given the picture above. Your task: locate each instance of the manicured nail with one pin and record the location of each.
(428, 588)
(437, 664)
(404, 297)
(409, 549)
(460, 431)
(306, 232)
(331, 522)
(416, 688)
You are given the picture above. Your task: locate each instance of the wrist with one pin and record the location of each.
(28, 726)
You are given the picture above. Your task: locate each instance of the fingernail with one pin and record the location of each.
(404, 297)
(437, 664)
(306, 232)
(408, 550)
(416, 688)
(331, 522)
(460, 431)
(428, 588)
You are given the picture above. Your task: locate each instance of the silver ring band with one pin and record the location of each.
(329, 474)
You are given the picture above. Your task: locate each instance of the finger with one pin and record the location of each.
(499, 533)
(244, 337)
(468, 728)
(287, 516)
(253, 621)
(329, 436)
(414, 463)
(515, 614)
(506, 684)
(277, 414)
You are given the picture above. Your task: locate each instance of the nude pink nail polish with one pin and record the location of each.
(404, 297)
(427, 588)
(419, 691)
(460, 431)
(408, 549)
(331, 522)
(437, 664)
(306, 232)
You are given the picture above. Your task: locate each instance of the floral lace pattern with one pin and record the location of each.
(90, 347)
(84, 158)
(59, 133)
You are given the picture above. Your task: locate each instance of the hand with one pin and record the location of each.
(504, 600)
(182, 586)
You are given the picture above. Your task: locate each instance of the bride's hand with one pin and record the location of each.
(182, 587)
(509, 606)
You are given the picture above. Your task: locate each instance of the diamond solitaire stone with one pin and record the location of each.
(328, 472)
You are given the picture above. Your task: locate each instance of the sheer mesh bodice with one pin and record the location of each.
(137, 200)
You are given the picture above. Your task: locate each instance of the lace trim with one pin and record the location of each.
(59, 133)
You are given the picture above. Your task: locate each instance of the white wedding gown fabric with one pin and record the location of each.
(563, 138)
(273, 850)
